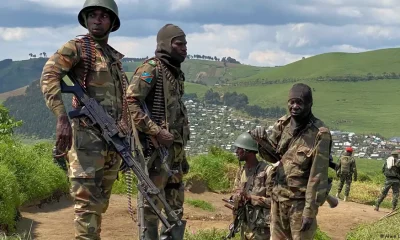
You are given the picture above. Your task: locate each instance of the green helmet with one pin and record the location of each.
(107, 4)
(395, 152)
(245, 141)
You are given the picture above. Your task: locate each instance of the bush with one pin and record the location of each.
(9, 199)
(27, 174)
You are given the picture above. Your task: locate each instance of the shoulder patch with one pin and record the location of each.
(152, 63)
(147, 77)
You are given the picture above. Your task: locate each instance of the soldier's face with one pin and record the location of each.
(99, 22)
(178, 46)
(297, 108)
(241, 154)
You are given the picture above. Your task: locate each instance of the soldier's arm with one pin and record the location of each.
(319, 169)
(354, 168)
(142, 82)
(272, 140)
(264, 201)
(53, 72)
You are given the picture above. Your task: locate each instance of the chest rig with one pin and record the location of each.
(88, 56)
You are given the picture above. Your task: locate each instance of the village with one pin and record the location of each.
(214, 125)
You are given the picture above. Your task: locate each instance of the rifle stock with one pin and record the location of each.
(121, 143)
(332, 201)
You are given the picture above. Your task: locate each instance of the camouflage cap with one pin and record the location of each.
(395, 152)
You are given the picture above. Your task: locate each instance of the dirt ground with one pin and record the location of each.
(55, 220)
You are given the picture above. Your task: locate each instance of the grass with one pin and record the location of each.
(200, 204)
(217, 234)
(27, 175)
(386, 228)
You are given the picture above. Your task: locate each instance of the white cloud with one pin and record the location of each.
(250, 44)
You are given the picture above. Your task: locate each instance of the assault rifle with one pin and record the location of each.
(239, 208)
(114, 137)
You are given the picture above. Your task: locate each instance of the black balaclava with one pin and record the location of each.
(303, 92)
(164, 49)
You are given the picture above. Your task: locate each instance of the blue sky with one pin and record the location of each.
(258, 32)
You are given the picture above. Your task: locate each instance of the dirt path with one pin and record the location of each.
(55, 221)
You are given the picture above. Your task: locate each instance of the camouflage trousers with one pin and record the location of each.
(286, 221)
(93, 169)
(393, 183)
(345, 178)
(172, 189)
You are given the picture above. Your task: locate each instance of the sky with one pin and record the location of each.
(257, 32)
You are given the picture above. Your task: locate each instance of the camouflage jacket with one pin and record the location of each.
(104, 80)
(142, 89)
(347, 165)
(303, 157)
(260, 197)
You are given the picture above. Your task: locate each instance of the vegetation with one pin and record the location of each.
(27, 173)
(385, 229)
(200, 204)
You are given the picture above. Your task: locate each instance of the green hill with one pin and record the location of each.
(17, 74)
(335, 64)
(353, 91)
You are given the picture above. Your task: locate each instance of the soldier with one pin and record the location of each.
(256, 223)
(155, 102)
(345, 170)
(391, 170)
(300, 143)
(93, 164)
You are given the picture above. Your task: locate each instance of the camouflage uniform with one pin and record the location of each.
(257, 224)
(143, 89)
(93, 164)
(303, 156)
(346, 171)
(392, 181)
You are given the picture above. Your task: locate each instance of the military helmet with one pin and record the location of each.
(245, 141)
(110, 5)
(395, 152)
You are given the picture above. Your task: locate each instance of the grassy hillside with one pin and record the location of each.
(335, 64)
(363, 107)
(17, 74)
(16, 92)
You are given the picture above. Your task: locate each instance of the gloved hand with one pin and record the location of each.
(259, 132)
(165, 138)
(306, 223)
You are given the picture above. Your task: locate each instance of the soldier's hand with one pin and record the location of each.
(165, 138)
(259, 132)
(185, 166)
(63, 134)
(306, 223)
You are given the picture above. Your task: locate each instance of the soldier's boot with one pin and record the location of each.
(151, 232)
(176, 233)
(376, 207)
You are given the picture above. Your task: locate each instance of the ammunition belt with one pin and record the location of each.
(88, 55)
(158, 106)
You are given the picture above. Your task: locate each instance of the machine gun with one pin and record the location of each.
(121, 143)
